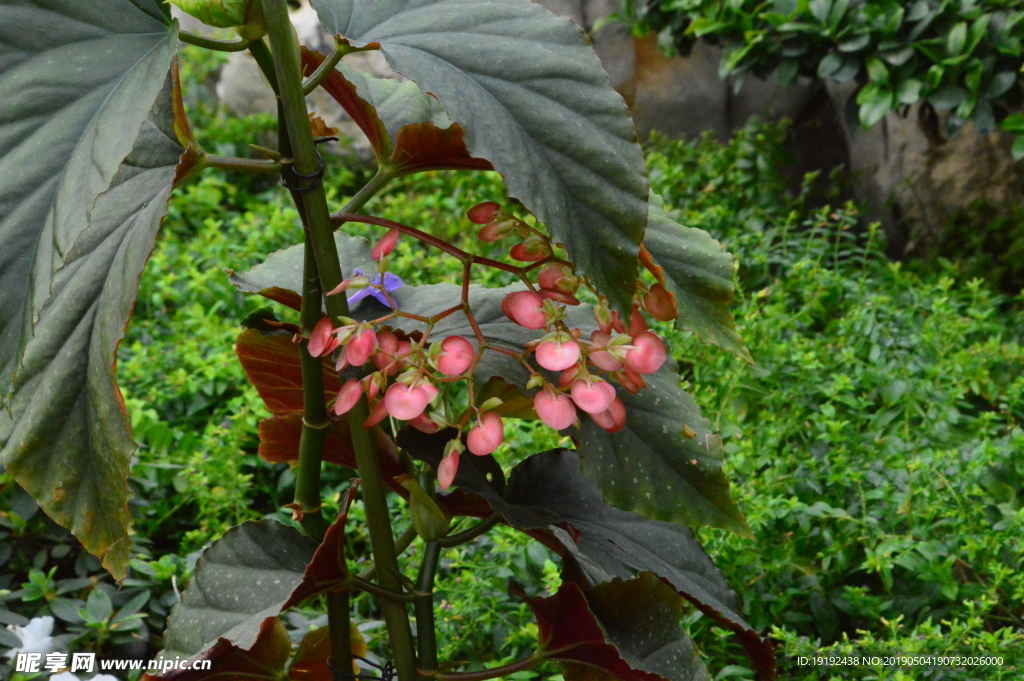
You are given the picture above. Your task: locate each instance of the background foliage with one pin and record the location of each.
(960, 56)
(874, 446)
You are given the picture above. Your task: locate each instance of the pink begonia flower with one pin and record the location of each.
(487, 435)
(348, 396)
(554, 409)
(556, 356)
(456, 356)
(405, 402)
(359, 349)
(592, 397)
(322, 340)
(647, 355)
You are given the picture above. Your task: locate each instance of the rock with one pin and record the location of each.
(914, 180)
(243, 90)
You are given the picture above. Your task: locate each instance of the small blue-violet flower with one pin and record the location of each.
(391, 282)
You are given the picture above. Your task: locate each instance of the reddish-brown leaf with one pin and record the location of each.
(265, 660)
(310, 663)
(416, 147)
(327, 569)
(344, 93)
(272, 364)
(279, 443)
(279, 440)
(569, 632)
(424, 146)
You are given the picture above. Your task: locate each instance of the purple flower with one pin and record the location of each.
(392, 282)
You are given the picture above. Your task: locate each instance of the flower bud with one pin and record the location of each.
(558, 354)
(525, 308)
(428, 519)
(385, 245)
(246, 14)
(348, 396)
(482, 213)
(647, 355)
(322, 340)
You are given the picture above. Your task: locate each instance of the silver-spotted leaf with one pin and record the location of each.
(533, 99)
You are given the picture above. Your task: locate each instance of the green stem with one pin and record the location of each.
(308, 163)
(340, 628)
(245, 165)
(325, 69)
(472, 533)
(426, 634)
(313, 436)
(314, 410)
(493, 673)
(369, 190)
(239, 45)
(261, 53)
(385, 556)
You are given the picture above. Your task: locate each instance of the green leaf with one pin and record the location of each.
(66, 437)
(533, 100)
(820, 9)
(77, 80)
(654, 466)
(699, 273)
(828, 65)
(948, 98)
(98, 606)
(628, 630)
(1018, 148)
(1000, 84)
(279, 277)
(909, 91)
(1013, 123)
(875, 103)
(957, 39)
(263, 658)
(244, 578)
(132, 606)
(642, 618)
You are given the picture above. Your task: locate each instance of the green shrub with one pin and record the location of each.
(962, 56)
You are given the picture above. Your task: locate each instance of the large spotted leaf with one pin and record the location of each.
(630, 630)
(65, 436)
(77, 81)
(548, 497)
(533, 99)
(697, 270)
(244, 578)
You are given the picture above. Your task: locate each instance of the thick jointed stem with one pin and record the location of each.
(308, 166)
(314, 411)
(426, 635)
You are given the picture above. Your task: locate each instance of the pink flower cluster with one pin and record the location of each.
(623, 358)
(408, 371)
